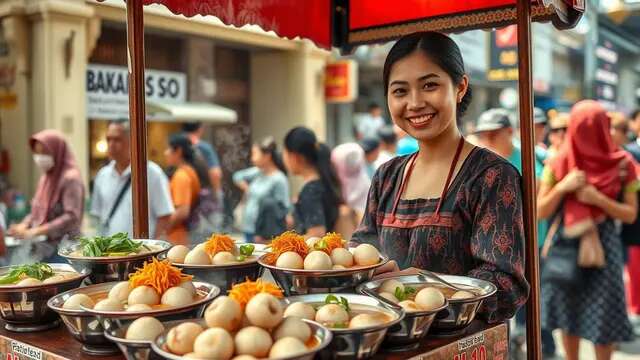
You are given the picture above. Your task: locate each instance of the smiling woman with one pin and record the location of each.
(464, 201)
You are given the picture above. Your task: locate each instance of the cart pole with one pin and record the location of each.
(528, 177)
(138, 133)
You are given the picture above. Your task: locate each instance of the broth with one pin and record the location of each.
(143, 250)
(67, 275)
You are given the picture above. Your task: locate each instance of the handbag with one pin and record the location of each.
(560, 265)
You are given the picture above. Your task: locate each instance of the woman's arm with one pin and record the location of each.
(316, 231)
(72, 201)
(550, 195)
(625, 211)
(242, 178)
(179, 216)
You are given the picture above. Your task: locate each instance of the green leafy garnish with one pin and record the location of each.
(118, 244)
(241, 258)
(40, 271)
(343, 325)
(320, 245)
(405, 294)
(246, 250)
(332, 299)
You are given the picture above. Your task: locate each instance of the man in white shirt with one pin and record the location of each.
(370, 124)
(116, 215)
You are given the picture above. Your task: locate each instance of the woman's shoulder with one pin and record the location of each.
(392, 166)
(482, 162)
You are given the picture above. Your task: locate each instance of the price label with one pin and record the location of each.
(478, 353)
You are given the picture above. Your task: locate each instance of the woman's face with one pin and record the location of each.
(258, 158)
(421, 97)
(173, 156)
(556, 137)
(39, 149)
(291, 161)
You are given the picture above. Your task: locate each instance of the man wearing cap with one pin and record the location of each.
(371, 147)
(388, 145)
(557, 130)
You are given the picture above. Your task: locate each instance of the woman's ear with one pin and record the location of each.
(462, 88)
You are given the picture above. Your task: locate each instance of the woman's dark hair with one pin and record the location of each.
(438, 47)
(191, 156)
(303, 141)
(268, 146)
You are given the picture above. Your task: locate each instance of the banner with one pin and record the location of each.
(606, 76)
(341, 81)
(503, 64)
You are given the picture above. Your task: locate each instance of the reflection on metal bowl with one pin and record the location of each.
(132, 350)
(24, 308)
(359, 343)
(112, 268)
(298, 282)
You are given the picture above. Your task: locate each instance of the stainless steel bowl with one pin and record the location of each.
(112, 268)
(24, 308)
(459, 313)
(405, 335)
(118, 319)
(298, 282)
(132, 349)
(321, 333)
(360, 343)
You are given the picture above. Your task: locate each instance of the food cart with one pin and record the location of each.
(345, 24)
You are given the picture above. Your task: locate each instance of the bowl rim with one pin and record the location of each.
(321, 346)
(337, 272)
(65, 252)
(257, 253)
(360, 289)
(398, 311)
(82, 274)
(212, 293)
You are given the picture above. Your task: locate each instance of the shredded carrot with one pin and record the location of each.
(159, 275)
(329, 242)
(287, 241)
(243, 292)
(218, 243)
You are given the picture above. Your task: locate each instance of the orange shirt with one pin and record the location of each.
(185, 187)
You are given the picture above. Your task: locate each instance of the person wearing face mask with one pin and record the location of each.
(451, 207)
(58, 204)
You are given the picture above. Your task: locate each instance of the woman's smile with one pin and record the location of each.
(421, 121)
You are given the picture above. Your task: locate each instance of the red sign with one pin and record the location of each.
(341, 81)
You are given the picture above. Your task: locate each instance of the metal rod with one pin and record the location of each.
(529, 181)
(135, 58)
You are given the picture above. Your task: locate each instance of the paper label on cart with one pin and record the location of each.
(470, 342)
(25, 350)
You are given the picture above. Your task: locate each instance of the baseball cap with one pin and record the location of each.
(539, 116)
(369, 144)
(560, 121)
(493, 119)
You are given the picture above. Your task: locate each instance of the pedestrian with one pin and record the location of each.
(195, 131)
(350, 164)
(619, 128)
(578, 195)
(540, 127)
(58, 203)
(265, 182)
(388, 145)
(185, 184)
(557, 130)
(371, 147)
(111, 199)
(407, 145)
(451, 207)
(316, 210)
(370, 124)
(495, 132)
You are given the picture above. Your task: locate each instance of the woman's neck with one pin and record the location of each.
(268, 169)
(440, 147)
(309, 174)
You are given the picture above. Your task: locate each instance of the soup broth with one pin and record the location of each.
(143, 250)
(447, 292)
(358, 309)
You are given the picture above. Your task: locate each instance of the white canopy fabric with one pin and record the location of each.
(187, 112)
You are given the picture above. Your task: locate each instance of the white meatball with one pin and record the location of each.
(29, 282)
(181, 338)
(143, 295)
(286, 347)
(410, 306)
(177, 254)
(312, 241)
(54, 279)
(366, 254)
(317, 260)
(146, 328)
(120, 292)
(264, 310)
(197, 257)
(75, 301)
(290, 260)
(223, 257)
(429, 298)
(342, 256)
(367, 320)
(390, 286)
(253, 341)
(139, 308)
(293, 327)
(224, 312)
(245, 357)
(176, 296)
(301, 310)
(108, 304)
(188, 285)
(462, 294)
(214, 343)
(332, 314)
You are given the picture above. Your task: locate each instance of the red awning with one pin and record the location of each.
(345, 23)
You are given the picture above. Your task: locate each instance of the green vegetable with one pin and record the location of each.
(332, 299)
(246, 250)
(404, 295)
(320, 245)
(241, 258)
(40, 271)
(115, 245)
(343, 325)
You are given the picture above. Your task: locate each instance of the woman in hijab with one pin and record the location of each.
(350, 164)
(57, 207)
(584, 189)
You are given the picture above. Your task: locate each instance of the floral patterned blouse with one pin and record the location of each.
(479, 231)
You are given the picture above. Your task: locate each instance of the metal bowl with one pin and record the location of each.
(360, 343)
(112, 268)
(405, 335)
(225, 276)
(459, 313)
(24, 308)
(299, 282)
(132, 349)
(321, 333)
(118, 319)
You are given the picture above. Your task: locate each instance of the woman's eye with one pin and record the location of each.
(430, 85)
(399, 92)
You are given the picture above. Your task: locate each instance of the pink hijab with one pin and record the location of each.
(349, 162)
(51, 184)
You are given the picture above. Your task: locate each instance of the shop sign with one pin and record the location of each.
(108, 89)
(503, 62)
(606, 76)
(341, 81)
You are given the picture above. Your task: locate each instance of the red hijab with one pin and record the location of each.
(51, 184)
(589, 147)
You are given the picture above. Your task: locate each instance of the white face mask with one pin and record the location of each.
(44, 162)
